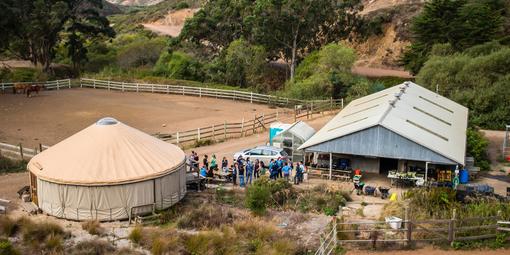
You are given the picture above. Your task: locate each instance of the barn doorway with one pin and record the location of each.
(387, 164)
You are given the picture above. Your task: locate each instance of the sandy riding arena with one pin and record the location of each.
(51, 116)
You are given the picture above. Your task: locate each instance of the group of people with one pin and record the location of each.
(246, 170)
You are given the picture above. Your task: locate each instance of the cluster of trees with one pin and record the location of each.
(32, 29)
(460, 23)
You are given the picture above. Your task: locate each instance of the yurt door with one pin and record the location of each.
(33, 188)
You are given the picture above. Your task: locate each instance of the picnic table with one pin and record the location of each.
(335, 173)
(194, 181)
(405, 179)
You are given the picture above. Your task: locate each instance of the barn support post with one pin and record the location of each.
(21, 151)
(198, 134)
(225, 130)
(330, 165)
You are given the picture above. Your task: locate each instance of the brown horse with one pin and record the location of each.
(34, 88)
(19, 87)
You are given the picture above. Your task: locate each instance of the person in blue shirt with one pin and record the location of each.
(287, 171)
(274, 171)
(249, 170)
(203, 171)
(279, 163)
(270, 167)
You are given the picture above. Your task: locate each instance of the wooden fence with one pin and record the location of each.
(19, 152)
(49, 85)
(413, 231)
(223, 131)
(206, 92)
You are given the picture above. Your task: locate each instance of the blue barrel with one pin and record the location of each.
(464, 176)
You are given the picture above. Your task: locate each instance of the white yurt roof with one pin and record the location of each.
(107, 152)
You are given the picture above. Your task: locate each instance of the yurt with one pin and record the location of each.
(108, 171)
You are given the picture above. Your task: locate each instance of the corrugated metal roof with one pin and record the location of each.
(300, 129)
(409, 110)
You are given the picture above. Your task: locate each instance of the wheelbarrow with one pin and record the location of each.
(385, 192)
(369, 190)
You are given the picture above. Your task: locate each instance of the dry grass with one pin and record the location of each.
(8, 226)
(94, 246)
(93, 227)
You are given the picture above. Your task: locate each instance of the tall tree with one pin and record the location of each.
(42, 24)
(288, 27)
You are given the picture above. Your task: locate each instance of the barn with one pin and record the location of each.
(400, 128)
(108, 171)
(292, 137)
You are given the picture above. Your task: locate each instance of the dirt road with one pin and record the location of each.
(54, 115)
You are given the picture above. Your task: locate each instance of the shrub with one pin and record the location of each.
(94, 246)
(477, 146)
(205, 216)
(93, 227)
(53, 243)
(140, 53)
(37, 233)
(6, 248)
(136, 235)
(257, 198)
(9, 165)
(181, 5)
(178, 65)
(8, 226)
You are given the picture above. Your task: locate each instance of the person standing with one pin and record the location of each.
(274, 171)
(224, 165)
(279, 163)
(196, 160)
(249, 171)
(286, 171)
(241, 175)
(256, 169)
(235, 169)
(214, 163)
(206, 161)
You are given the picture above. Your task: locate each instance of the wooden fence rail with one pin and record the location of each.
(19, 152)
(49, 85)
(251, 97)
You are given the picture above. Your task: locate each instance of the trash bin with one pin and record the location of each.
(464, 176)
(394, 222)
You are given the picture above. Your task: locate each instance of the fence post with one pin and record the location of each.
(21, 151)
(58, 85)
(200, 92)
(40, 148)
(94, 83)
(137, 87)
(69, 83)
(167, 89)
(254, 120)
(108, 85)
(225, 130)
(451, 228)
(242, 127)
(198, 134)
(81, 83)
(311, 109)
(183, 90)
(342, 102)
(152, 88)
(331, 103)
(3, 87)
(122, 85)
(251, 97)
(177, 138)
(335, 234)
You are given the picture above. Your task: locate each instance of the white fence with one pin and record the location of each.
(18, 152)
(50, 85)
(201, 92)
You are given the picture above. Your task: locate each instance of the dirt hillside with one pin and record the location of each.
(172, 23)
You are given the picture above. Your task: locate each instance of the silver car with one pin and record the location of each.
(262, 153)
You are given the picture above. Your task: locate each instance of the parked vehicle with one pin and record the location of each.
(263, 153)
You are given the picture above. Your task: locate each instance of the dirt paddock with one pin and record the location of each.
(52, 116)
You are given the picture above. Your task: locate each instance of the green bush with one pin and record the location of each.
(257, 198)
(8, 165)
(178, 65)
(181, 5)
(6, 248)
(476, 147)
(140, 53)
(136, 235)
